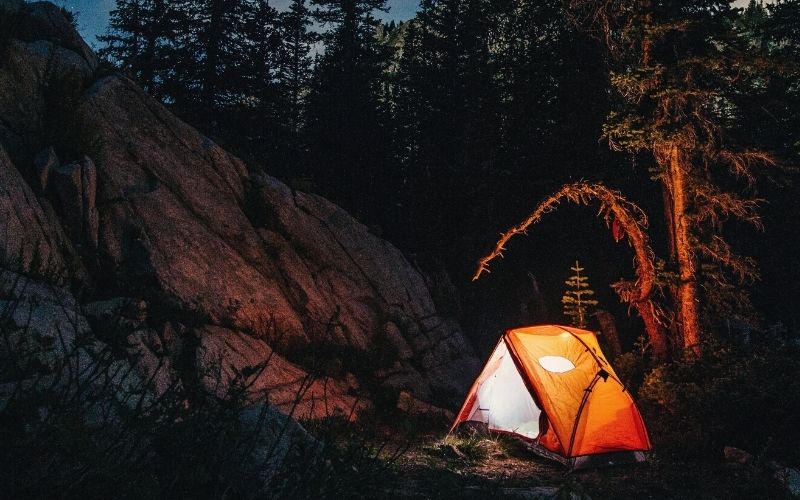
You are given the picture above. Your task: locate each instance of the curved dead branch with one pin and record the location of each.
(632, 220)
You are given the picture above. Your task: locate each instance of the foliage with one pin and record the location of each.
(142, 40)
(576, 299)
(450, 108)
(483, 96)
(220, 64)
(434, 132)
(769, 110)
(347, 120)
(743, 396)
(77, 418)
(680, 70)
(294, 73)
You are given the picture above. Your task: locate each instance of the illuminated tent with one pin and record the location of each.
(552, 386)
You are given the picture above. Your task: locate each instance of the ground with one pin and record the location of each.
(437, 465)
(475, 468)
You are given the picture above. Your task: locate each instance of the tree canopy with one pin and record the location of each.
(437, 131)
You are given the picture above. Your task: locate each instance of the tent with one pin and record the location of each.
(552, 386)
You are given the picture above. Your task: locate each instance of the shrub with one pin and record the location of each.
(87, 425)
(745, 396)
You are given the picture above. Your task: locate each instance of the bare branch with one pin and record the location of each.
(613, 206)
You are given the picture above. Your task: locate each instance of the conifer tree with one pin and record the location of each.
(250, 120)
(189, 53)
(485, 93)
(577, 299)
(294, 72)
(214, 62)
(347, 118)
(212, 52)
(773, 115)
(141, 40)
(447, 118)
(260, 46)
(678, 68)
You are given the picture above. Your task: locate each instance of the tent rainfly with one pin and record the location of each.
(552, 386)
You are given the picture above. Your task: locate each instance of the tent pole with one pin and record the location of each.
(586, 393)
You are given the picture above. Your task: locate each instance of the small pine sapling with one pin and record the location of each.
(577, 298)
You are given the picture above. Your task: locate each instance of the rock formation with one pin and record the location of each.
(111, 200)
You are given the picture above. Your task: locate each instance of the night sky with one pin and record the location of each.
(93, 14)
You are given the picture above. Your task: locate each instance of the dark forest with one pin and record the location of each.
(332, 206)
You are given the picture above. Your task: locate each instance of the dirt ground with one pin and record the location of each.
(500, 467)
(495, 469)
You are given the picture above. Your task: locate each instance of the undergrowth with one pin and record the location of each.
(78, 420)
(747, 396)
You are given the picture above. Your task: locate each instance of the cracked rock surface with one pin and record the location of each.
(234, 267)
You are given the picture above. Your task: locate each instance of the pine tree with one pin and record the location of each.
(251, 120)
(678, 69)
(189, 53)
(772, 108)
(141, 40)
(294, 75)
(446, 119)
(260, 46)
(576, 300)
(347, 118)
(485, 95)
(211, 58)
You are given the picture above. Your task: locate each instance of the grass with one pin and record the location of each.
(471, 449)
(472, 467)
(500, 466)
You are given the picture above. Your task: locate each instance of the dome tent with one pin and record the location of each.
(552, 386)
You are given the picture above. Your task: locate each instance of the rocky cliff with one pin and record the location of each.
(152, 233)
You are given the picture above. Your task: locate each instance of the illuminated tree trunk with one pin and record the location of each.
(681, 70)
(688, 317)
(655, 330)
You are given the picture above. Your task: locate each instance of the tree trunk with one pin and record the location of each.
(212, 48)
(608, 327)
(688, 317)
(655, 330)
(670, 223)
(675, 337)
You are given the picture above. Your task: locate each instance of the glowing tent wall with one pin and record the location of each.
(553, 386)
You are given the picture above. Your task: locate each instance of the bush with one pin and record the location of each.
(745, 396)
(85, 424)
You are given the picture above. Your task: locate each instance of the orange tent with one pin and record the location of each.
(552, 386)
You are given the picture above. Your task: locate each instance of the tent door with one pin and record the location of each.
(504, 402)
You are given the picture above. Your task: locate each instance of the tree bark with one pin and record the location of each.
(670, 223)
(656, 332)
(688, 317)
(608, 327)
